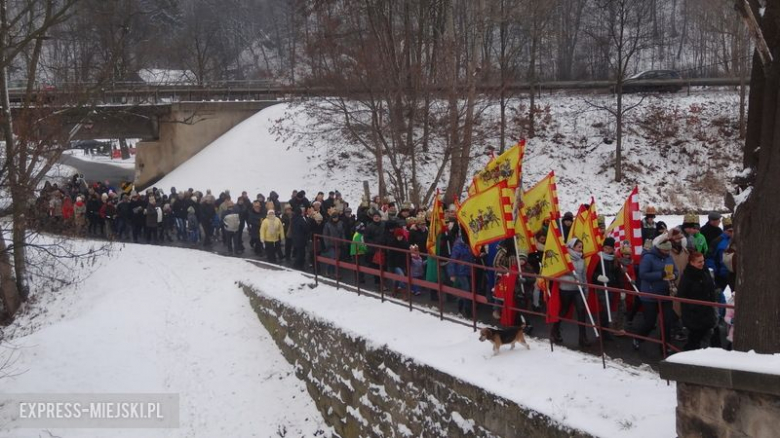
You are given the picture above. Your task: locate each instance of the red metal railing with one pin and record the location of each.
(358, 267)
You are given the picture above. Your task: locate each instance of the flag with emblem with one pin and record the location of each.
(437, 224)
(627, 225)
(585, 228)
(556, 260)
(487, 216)
(506, 167)
(555, 263)
(541, 202)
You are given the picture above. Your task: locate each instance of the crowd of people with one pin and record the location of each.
(687, 261)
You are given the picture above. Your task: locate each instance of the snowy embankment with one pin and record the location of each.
(569, 387)
(680, 150)
(160, 320)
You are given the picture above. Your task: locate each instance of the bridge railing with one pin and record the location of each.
(359, 266)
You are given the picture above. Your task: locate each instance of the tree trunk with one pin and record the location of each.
(758, 218)
(619, 134)
(124, 149)
(10, 297)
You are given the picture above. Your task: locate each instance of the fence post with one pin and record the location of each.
(439, 292)
(382, 277)
(663, 332)
(314, 256)
(337, 255)
(357, 271)
(473, 298)
(601, 329)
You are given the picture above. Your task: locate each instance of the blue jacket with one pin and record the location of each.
(716, 261)
(462, 253)
(651, 273)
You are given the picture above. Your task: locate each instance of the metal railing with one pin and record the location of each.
(358, 266)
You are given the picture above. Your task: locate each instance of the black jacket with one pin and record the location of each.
(697, 284)
(300, 231)
(375, 234)
(397, 259)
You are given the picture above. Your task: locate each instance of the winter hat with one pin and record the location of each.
(570, 244)
(79, 199)
(650, 211)
(104, 197)
(194, 199)
(690, 220)
(714, 216)
(271, 213)
(398, 232)
(727, 223)
(661, 226)
(663, 244)
(317, 217)
(360, 227)
(610, 242)
(190, 209)
(568, 216)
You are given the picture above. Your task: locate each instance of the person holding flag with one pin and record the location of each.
(605, 269)
(570, 295)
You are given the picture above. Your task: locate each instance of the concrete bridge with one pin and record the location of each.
(170, 133)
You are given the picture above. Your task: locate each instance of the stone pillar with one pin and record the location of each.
(724, 394)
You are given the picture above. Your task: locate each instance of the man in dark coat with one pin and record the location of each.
(300, 236)
(711, 230)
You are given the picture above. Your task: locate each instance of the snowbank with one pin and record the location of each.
(162, 320)
(569, 387)
(733, 360)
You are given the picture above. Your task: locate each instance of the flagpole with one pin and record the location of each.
(587, 308)
(515, 215)
(606, 294)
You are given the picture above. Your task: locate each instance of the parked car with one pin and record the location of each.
(634, 84)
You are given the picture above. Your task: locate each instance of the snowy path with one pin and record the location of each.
(165, 320)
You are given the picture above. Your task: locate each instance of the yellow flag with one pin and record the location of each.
(582, 229)
(437, 224)
(523, 235)
(486, 217)
(506, 167)
(556, 260)
(541, 201)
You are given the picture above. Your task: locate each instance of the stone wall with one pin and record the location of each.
(724, 403)
(368, 390)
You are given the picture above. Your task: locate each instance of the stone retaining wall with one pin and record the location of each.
(368, 390)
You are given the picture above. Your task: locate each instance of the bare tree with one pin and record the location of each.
(622, 34)
(27, 158)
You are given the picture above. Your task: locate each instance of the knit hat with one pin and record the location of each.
(398, 232)
(568, 216)
(360, 227)
(714, 216)
(728, 223)
(194, 199)
(609, 241)
(271, 213)
(665, 245)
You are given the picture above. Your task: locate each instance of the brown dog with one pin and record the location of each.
(510, 335)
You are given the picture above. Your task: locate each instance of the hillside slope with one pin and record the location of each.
(681, 150)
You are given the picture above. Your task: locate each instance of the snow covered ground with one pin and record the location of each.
(570, 387)
(160, 320)
(681, 150)
(82, 155)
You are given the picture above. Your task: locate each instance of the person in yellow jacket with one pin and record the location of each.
(271, 234)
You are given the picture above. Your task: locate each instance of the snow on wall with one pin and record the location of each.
(438, 380)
